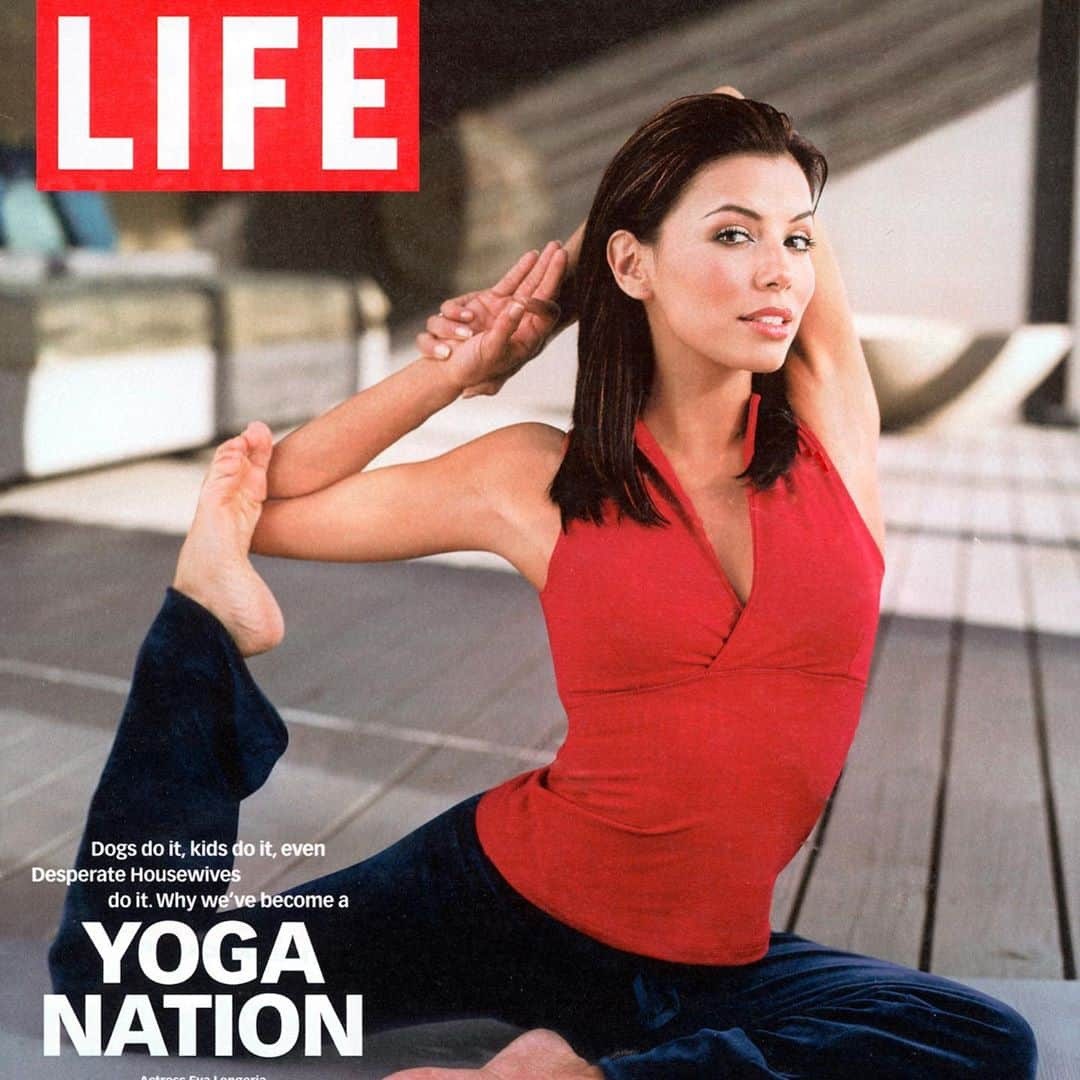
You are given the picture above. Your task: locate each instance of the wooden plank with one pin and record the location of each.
(914, 455)
(992, 512)
(902, 498)
(1031, 454)
(1039, 514)
(57, 748)
(868, 890)
(348, 626)
(995, 902)
(527, 712)
(62, 581)
(898, 552)
(790, 880)
(43, 800)
(438, 705)
(31, 910)
(463, 626)
(947, 505)
(32, 833)
(1055, 589)
(16, 726)
(993, 594)
(474, 674)
(1066, 460)
(348, 632)
(1060, 685)
(929, 589)
(993, 461)
(441, 619)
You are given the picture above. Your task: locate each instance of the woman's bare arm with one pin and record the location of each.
(826, 369)
(344, 440)
(488, 495)
(828, 385)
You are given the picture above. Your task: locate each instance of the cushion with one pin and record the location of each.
(86, 219)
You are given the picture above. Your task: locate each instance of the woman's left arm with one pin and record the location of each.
(829, 387)
(828, 381)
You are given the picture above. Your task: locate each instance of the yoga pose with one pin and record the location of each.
(706, 542)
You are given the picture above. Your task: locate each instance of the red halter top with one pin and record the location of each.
(704, 736)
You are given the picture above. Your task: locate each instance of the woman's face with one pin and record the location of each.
(735, 242)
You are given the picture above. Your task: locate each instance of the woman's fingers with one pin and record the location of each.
(456, 308)
(548, 287)
(508, 284)
(432, 346)
(529, 286)
(496, 342)
(539, 268)
(441, 333)
(440, 326)
(507, 321)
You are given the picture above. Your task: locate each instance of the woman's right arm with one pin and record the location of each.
(344, 440)
(488, 495)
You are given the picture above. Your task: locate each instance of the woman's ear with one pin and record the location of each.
(630, 262)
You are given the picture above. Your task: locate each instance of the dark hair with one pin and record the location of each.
(615, 354)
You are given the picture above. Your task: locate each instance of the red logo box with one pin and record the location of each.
(228, 95)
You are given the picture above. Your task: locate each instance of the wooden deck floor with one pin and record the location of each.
(952, 842)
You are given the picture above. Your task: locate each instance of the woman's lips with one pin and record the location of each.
(775, 330)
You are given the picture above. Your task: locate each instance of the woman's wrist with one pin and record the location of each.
(444, 388)
(345, 439)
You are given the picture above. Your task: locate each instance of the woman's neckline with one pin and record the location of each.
(655, 451)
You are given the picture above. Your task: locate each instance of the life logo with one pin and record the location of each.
(228, 95)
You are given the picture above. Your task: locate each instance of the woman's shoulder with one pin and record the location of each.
(516, 465)
(519, 452)
(531, 436)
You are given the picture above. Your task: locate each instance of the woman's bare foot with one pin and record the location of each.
(536, 1055)
(214, 568)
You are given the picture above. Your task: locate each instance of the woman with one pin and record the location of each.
(707, 546)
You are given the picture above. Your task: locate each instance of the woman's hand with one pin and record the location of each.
(485, 337)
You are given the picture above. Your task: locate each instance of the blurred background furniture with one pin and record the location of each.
(95, 370)
(931, 373)
(107, 354)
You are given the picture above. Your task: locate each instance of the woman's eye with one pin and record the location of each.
(731, 234)
(804, 242)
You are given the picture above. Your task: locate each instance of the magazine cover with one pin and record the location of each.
(540, 540)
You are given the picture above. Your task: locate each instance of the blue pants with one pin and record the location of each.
(432, 931)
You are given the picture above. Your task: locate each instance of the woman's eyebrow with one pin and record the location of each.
(752, 213)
